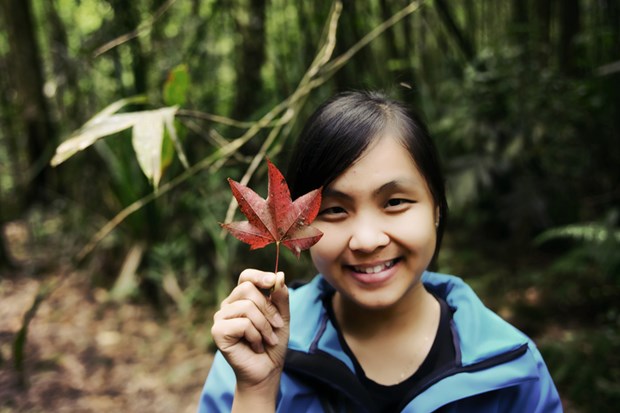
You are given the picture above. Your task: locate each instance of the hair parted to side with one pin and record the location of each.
(342, 128)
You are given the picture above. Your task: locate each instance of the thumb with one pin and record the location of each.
(280, 297)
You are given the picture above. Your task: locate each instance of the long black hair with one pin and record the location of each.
(342, 128)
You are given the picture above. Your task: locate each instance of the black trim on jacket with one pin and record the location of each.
(332, 379)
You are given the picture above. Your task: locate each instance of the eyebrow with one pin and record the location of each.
(396, 184)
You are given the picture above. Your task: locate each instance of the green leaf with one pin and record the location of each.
(147, 139)
(176, 86)
(591, 233)
(100, 125)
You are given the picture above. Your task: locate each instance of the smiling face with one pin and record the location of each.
(378, 220)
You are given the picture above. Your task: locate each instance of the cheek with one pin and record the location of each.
(328, 249)
(416, 232)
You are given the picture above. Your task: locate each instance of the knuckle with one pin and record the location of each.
(216, 330)
(219, 315)
(248, 274)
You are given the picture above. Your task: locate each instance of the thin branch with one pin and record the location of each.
(256, 161)
(136, 32)
(340, 61)
(213, 161)
(608, 69)
(215, 118)
(322, 57)
(217, 159)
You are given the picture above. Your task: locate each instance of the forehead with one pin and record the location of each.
(385, 160)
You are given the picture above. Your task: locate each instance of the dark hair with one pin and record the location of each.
(341, 129)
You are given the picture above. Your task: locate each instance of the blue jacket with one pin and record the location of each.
(498, 368)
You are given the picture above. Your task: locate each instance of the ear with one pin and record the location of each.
(437, 217)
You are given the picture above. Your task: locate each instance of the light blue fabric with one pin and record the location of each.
(499, 369)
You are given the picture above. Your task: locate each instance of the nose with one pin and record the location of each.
(367, 236)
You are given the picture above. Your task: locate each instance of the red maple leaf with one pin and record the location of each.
(276, 219)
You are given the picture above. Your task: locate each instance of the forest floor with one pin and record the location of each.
(87, 353)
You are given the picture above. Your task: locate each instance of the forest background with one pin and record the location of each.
(112, 260)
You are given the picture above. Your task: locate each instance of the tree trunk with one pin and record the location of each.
(543, 34)
(349, 33)
(520, 22)
(471, 21)
(10, 199)
(26, 72)
(64, 68)
(403, 74)
(569, 29)
(127, 17)
(611, 10)
(250, 24)
(459, 37)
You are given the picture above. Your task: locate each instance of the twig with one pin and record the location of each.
(19, 342)
(322, 57)
(340, 61)
(134, 33)
(220, 156)
(215, 118)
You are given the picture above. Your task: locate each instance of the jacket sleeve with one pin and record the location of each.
(219, 389)
(536, 396)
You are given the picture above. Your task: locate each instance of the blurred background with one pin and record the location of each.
(112, 261)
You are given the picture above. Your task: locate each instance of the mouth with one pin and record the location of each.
(373, 268)
(375, 274)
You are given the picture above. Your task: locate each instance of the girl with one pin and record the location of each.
(375, 331)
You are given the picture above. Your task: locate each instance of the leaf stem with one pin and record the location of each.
(277, 255)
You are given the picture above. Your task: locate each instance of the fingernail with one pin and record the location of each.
(278, 322)
(269, 279)
(274, 339)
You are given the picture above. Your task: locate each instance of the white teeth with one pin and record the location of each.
(375, 269)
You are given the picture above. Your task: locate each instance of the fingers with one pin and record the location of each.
(247, 310)
(260, 279)
(279, 298)
(229, 332)
(247, 314)
(251, 282)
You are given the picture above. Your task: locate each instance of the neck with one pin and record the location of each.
(410, 312)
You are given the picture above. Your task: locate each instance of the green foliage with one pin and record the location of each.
(586, 366)
(176, 86)
(530, 146)
(514, 141)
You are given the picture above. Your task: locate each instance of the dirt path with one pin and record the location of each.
(86, 353)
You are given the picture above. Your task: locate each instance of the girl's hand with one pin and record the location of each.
(251, 330)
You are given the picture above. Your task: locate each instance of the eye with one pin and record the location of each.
(397, 204)
(332, 213)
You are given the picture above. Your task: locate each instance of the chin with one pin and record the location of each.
(373, 300)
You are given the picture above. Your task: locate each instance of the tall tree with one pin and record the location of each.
(357, 19)
(68, 97)
(462, 41)
(520, 25)
(570, 25)
(8, 146)
(542, 31)
(127, 19)
(403, 73)
(250, 24)
(26, 71)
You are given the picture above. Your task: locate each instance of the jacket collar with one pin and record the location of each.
(479, 333)
(485, 344)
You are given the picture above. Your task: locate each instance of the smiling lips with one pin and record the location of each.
(373, 274)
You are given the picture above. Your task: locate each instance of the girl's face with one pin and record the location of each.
(378, 220)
